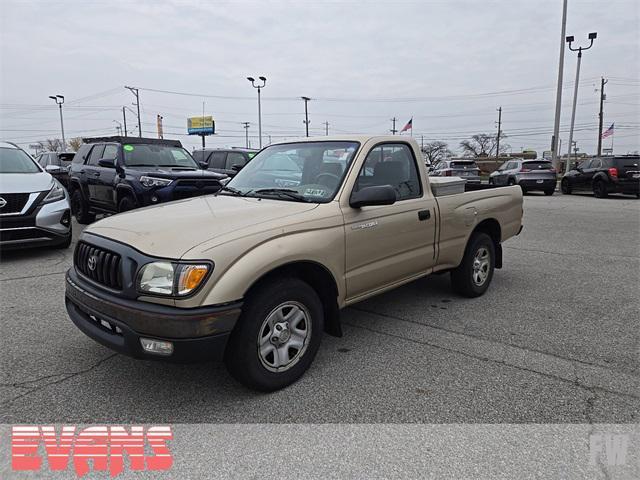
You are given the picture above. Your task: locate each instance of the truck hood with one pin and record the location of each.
(177, 173)
(170, 230)
(25, 182)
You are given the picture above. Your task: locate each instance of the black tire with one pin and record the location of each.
(637, 196)
(80, 208)
(549, 192)
(242, 357)
(463, 278)
(126, 203)
(600, 189)
(490, 181)
(511, 182)
(565, 187)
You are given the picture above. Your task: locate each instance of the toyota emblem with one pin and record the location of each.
(92, 262)
(3, 202)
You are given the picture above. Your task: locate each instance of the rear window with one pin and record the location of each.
(631, 163)
(537, 165)
(465, 164)
(66, 158)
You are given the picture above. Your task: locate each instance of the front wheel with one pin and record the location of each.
(473, 276)
(277, 335)
(80, 208)
(565, 187)
(549, 192)
(126, 203)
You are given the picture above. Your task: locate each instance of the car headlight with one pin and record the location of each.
(155, 181)
(172, 279)
(56, 193)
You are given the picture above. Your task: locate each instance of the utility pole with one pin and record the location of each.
(259, 87)
(245, 125)
(499, 132)
(556, 124)
(136, 93)
(59, 99)
(422, 143)
(393, 128)
(306, 114)
(570, 39)
(603, 97)
(326, 128)
(124, 119)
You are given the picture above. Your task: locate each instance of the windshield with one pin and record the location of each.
(537, 165)
(140, 155)
(306, 171)
(13, 160)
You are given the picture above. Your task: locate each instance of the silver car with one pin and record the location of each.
(467, 169)
(529, 174)
(34, 207)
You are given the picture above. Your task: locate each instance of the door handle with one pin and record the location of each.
(424, 215)
(96, 174)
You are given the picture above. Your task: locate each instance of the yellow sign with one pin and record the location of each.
(203, 125)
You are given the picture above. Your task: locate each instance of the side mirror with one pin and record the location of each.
(107, 162)
(236, 168)
(53, 169)
(204, 165)
(369, 196)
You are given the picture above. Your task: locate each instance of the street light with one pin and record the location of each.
(59, 99)
(306, 113)
(259, 87)
(570, 39)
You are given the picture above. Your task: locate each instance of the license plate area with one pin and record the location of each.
(539, 181)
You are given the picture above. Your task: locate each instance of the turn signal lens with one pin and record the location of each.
(190, 277)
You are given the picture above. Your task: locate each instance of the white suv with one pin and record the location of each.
(34, 207)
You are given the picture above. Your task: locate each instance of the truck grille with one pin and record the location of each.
(15, 202)
(99, 265)
(191, 188)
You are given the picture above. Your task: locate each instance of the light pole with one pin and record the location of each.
(306, 114)
(118, 127)
(59, 99)
(570, 39)
(259, 87)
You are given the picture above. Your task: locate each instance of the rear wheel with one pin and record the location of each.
(565, 187)
(549, 192)
(600, 189)
(277, 335)
(80, 208)
(473, 276)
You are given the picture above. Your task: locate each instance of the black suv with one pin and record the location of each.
(604, 175)
(224, 160)
(115, 174)
(57, 164)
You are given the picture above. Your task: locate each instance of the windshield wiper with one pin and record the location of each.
(235, 191)
(286, 192)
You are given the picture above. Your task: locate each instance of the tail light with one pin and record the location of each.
(447, 173)
(524, 170)
(613, 172)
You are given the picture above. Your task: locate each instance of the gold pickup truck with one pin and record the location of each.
(257, 272)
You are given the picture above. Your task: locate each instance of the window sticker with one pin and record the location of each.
(128, 148)
(315, 192)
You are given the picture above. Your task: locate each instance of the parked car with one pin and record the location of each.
(256, 273)
(227, 161)
(34, 206)
(57, 164)
(604, 175)
(529, 174)
(116, 174)
(467, 169)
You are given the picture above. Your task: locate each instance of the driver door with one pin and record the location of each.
(389, 243)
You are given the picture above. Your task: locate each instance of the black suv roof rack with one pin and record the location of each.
(133, 140)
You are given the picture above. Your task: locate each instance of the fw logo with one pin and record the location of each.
(613, 447)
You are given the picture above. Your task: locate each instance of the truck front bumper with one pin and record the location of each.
(196, 334)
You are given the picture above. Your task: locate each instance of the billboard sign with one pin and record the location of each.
(202, 125)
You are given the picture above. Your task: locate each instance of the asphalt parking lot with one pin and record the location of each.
(555, 340)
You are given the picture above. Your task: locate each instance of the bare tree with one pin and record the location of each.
(75, 143)
(436, 151)
(51, 145)
(482, 145)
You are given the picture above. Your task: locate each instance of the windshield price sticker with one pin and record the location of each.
(128, 148)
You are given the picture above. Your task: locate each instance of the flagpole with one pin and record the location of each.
(612, 135)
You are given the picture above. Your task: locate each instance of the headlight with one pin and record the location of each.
(174, 279)
(155, 181)
(56, 193)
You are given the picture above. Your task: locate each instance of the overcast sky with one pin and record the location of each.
(447, 64)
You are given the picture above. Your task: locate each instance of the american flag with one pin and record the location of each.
(608, 132)
(408, 126)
